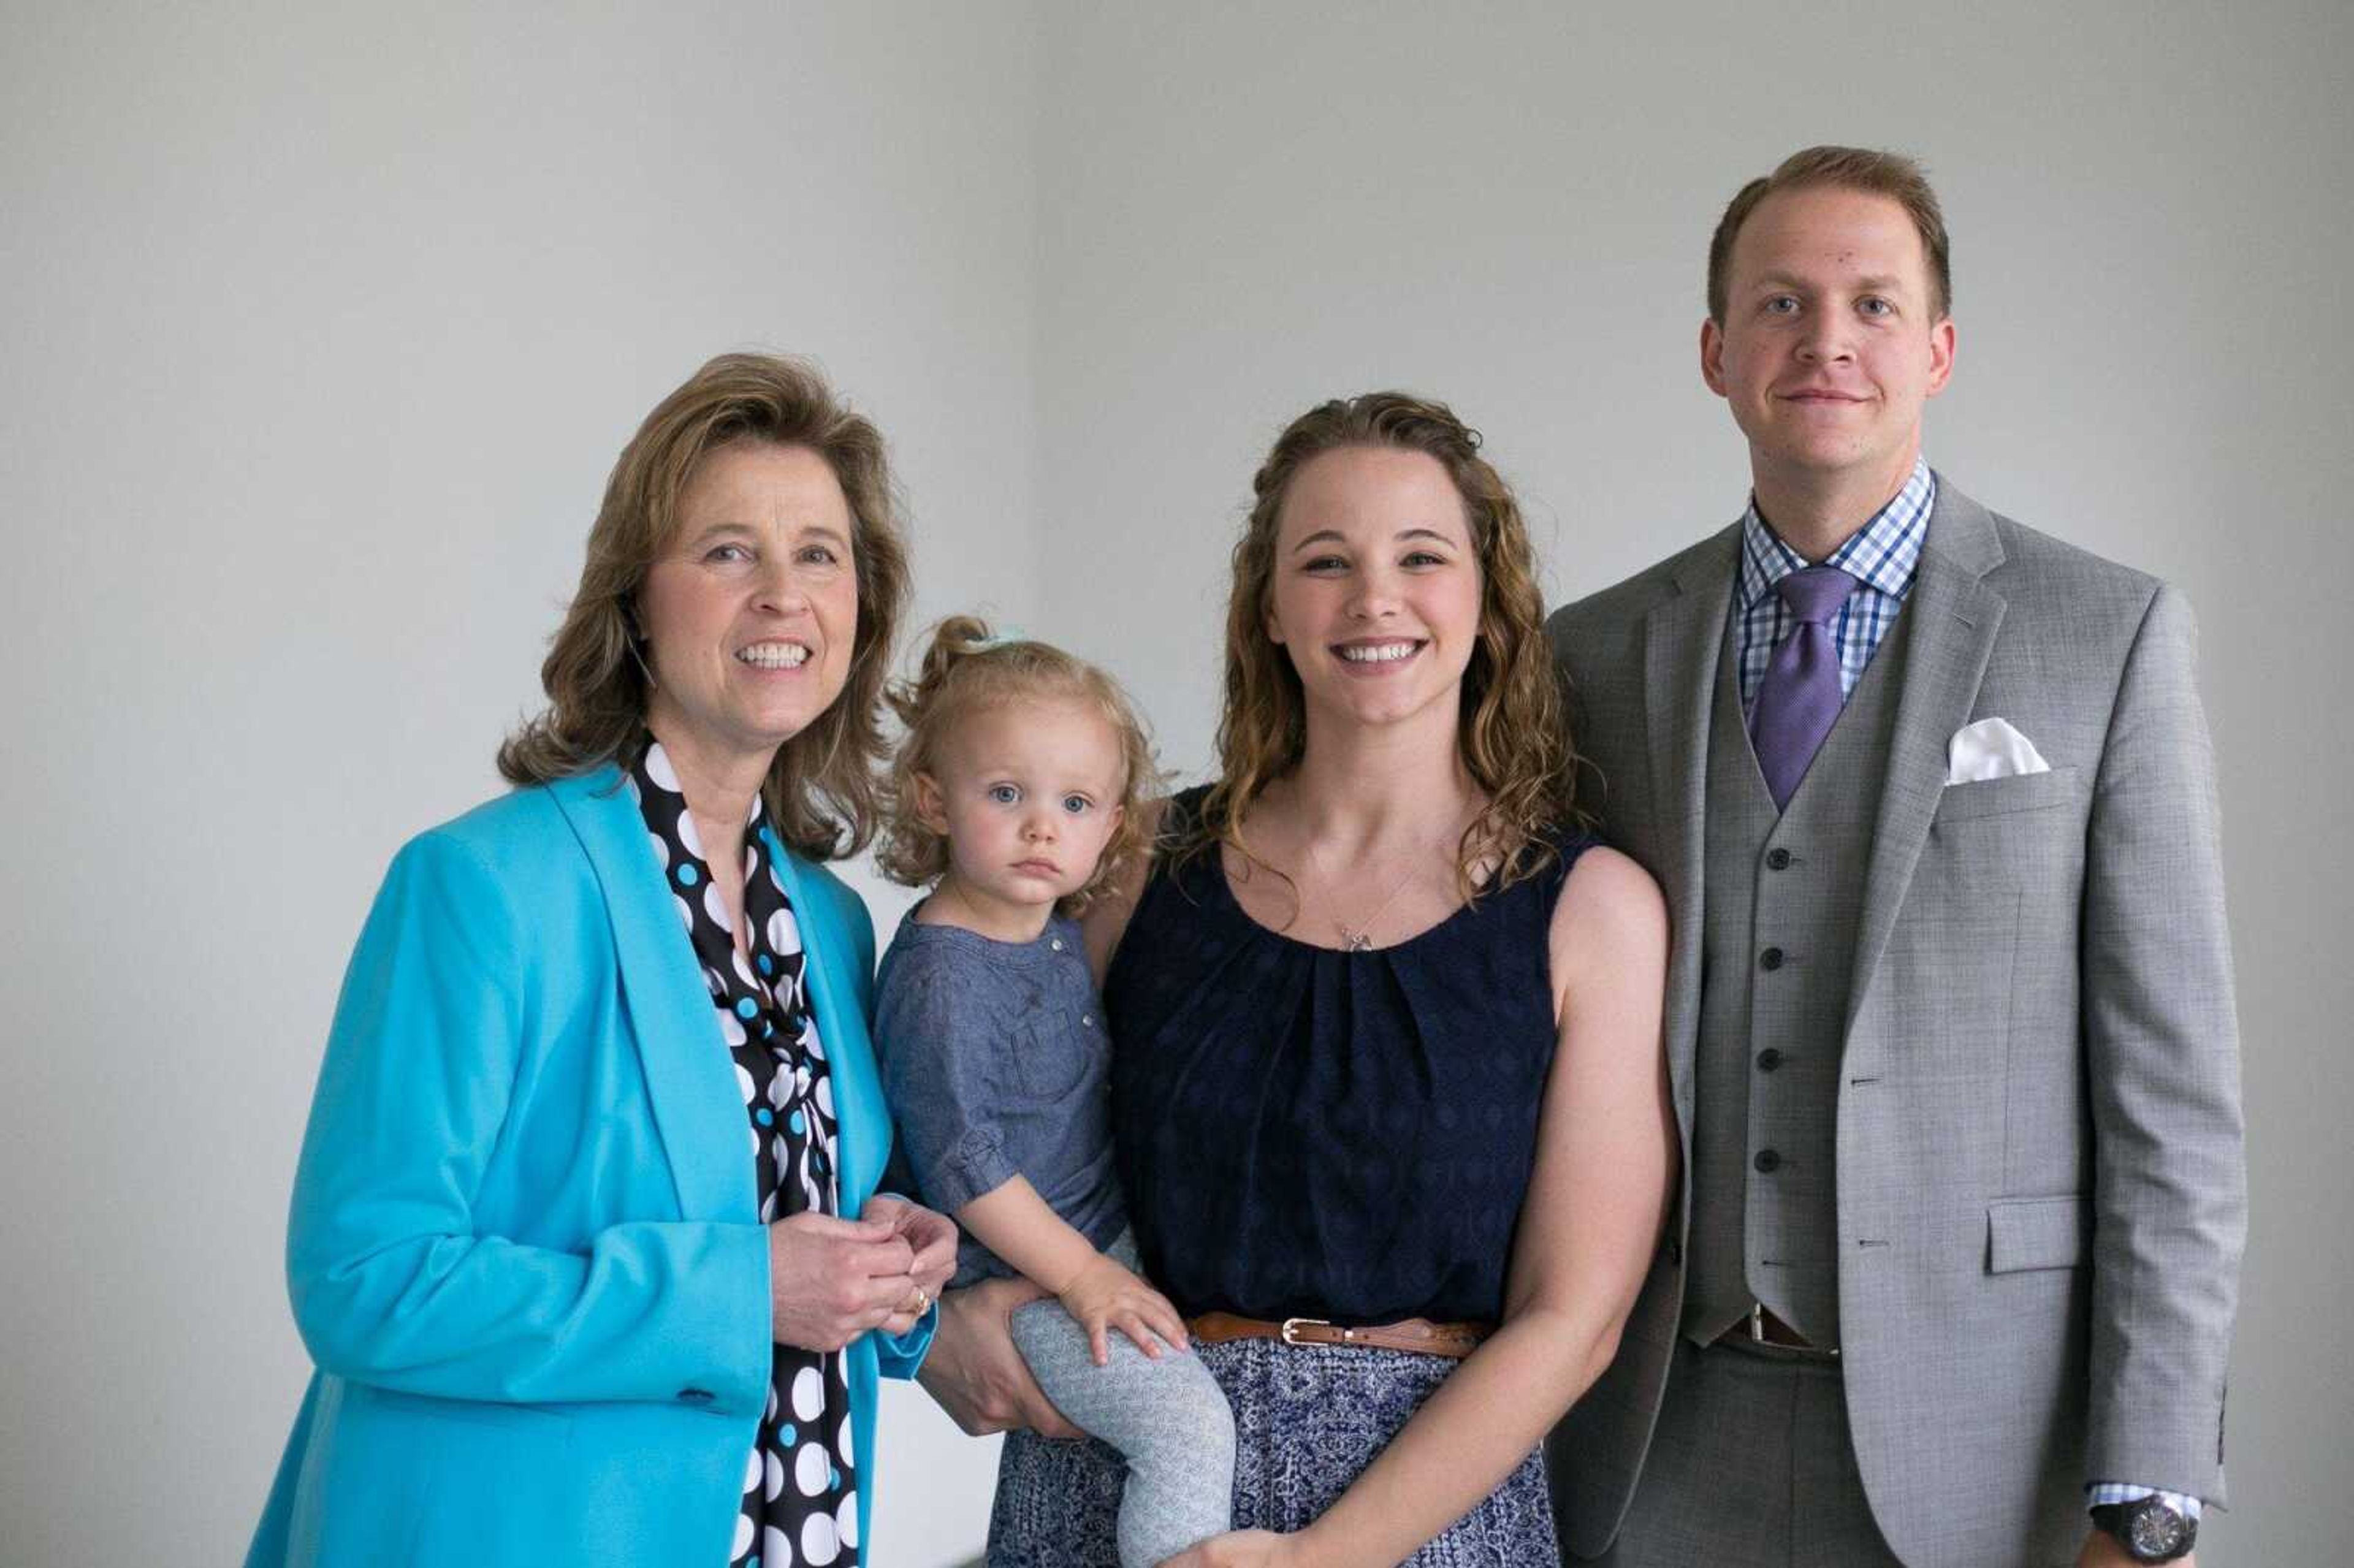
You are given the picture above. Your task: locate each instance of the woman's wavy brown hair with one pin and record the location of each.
(1513, 736)
(965, 670)
(822, 791)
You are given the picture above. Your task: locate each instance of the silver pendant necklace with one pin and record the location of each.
(1359, 938)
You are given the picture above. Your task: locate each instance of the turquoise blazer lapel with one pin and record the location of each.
(696, 1105)
(695, 1100)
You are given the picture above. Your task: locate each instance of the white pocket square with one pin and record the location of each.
(1991, 748)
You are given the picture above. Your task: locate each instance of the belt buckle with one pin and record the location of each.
(1290, 1326)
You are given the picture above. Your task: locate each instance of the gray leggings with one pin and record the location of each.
(1167, 1417)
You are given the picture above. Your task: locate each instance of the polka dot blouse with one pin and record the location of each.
(801, 1494)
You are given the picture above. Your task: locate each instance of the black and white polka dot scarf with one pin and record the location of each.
(801, 1494)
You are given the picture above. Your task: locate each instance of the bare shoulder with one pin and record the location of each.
(1107, 919)
(1610, 886)
(1611, 926)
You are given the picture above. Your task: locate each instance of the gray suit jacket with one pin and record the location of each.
(2041, 1191)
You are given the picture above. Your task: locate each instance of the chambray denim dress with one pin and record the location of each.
(995, 1063)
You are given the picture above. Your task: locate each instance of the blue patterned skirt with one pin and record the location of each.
(1308, 1420)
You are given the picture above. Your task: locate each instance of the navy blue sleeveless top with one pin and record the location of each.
(1304, 1133)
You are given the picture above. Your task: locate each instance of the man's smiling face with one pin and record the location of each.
(1829, 349)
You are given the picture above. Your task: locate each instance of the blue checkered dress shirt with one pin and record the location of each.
(1883, 556)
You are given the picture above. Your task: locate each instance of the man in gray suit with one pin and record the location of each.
(1949, 1018)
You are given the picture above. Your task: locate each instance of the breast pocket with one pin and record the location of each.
(2001, 843)
(2006, 796)
(1051, 1056)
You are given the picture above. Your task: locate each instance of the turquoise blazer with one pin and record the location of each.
(524, 1250)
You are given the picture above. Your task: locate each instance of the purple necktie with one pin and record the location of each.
(1798, 700)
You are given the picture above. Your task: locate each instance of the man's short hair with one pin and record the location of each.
(1890, 174)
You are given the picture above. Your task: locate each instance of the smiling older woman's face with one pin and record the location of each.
(751, 617)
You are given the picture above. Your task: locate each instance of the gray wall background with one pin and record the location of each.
(325, 323)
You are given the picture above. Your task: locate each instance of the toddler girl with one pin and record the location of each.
(1015, 799)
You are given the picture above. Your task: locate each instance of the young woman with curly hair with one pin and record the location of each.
(1388, 1091)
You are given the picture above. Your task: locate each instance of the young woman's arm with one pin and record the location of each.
(1598, 1200)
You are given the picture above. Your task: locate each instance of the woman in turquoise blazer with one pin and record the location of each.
(528, 1249)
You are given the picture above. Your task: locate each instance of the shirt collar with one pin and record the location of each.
(1883, 554)
(1058, 942)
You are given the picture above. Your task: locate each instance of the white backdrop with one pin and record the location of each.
(323, 325)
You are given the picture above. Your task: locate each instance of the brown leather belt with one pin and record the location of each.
(1762, 1327)
(1455, 1341)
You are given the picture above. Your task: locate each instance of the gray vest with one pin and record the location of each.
(1780, 900)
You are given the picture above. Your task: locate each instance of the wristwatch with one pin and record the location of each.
(2151, 1529)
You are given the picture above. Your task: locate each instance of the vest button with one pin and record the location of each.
(1777, 860)
(1771, 958)
(1767, 1161)
(1768, 1059)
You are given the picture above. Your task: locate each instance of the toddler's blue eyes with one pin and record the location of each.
(1004, 794)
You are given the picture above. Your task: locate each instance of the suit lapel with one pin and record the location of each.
(1683, 636)
(834, 1002)
(1955, 617)
(680, 1049)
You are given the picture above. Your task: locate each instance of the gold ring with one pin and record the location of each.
(923, 1301)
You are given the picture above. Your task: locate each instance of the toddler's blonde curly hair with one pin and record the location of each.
(967, 670)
